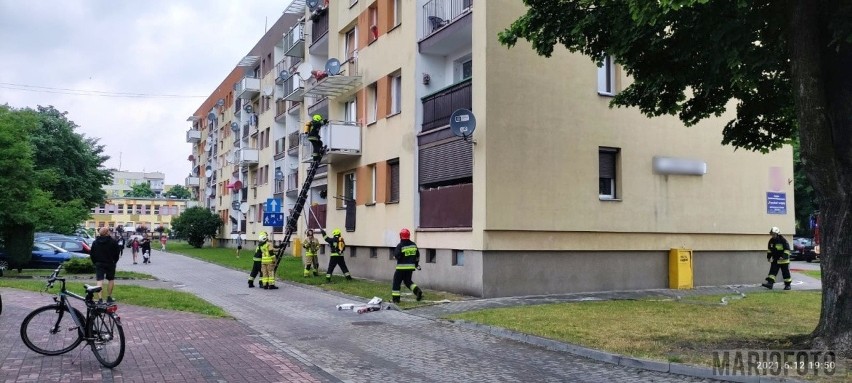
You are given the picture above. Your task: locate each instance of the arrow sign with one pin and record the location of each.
(273, 205)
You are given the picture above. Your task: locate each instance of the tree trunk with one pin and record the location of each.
(823, 92)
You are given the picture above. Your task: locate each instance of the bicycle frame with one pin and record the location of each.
(92, 308)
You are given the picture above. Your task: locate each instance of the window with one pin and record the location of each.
(121, 208)
(374, 253)
(350, 43)
(396, 94)
(266, 141)
(157, 209)
(372, 196)
(348, 187)
(374, 24)
(393, 193)
(372, 103)
(458, 257)
(430, 255)
(350, 110)
(607, 169)
(463, 68)
(397, 12)
(391, 251)
(606, 77)
(353, 251)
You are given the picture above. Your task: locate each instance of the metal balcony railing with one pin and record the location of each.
(439, 106)
(440, 13)
(292, 182)
(320, 26)
(294, 40)
(293, 141)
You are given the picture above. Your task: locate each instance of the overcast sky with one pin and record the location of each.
(52, 51)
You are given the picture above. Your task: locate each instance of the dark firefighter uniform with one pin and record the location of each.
(778, 253)
(255, 267)
(407, 260)
(313, 129)
(337, 245)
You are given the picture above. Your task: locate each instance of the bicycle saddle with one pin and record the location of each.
(93, 289)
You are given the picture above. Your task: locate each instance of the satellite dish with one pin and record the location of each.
(244, 207)
(209, 191)
(462, 123)
(284, 74)
(221, 102)
(268, 92)
(248, 108)
(207, 146)
(332, 67)
(211, 116)
(235, 126)
(312, 4)
(294, 165)
(208, 168)
(304, 70)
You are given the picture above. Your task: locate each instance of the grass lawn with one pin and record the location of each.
(291, 269)
(812, 273)
(132, 295)
(677, 331)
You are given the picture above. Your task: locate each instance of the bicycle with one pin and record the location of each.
(59, 328)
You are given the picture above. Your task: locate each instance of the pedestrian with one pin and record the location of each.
(120, 242)
(311, 246)
(312, 128)
(104, 255)
(407, 260)
(267, 262)
(134, 247)
(778, 254)
(163, 238)
(146, 250)
(240, 246)
(337, 245)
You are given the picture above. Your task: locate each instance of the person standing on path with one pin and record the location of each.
(267, 262)
(146, 250)
(240, 246)
(134, 247)
(778, 254)
(104, 255)
(337, 245)
(407, 260)
(163, 238)
(311, 246)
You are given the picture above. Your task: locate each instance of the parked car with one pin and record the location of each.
(69, 244)
(44, 256)
(41, 237)
(803, 249)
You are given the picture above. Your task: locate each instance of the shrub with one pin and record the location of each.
(79, 266)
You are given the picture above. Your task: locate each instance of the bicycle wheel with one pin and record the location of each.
(107, 339)
(50, 330)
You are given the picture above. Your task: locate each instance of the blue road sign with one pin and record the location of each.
(273, 205)
(273, 219)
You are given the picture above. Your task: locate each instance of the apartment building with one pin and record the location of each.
(134, 212)
(122, 182)
(554, 192)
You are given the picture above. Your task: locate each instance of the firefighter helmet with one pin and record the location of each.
(309, 232)
(774, 230)
(262, 237)
(317, 118)
(335, 232)
(404, 234)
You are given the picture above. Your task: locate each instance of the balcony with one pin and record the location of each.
(447, 27)
(193, 136)
(280, 109)
(292, 183)
(281, 71)
(342, 84)
(439, 106)
(343, 139)
(294, 88)
(192, 182)
(293, 140)
(319, 32)
(248, 88)
(294, 40)
(247, 156)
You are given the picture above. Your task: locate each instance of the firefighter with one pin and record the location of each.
(255, 268)
(312, 128)
(311, 246)
(407, 260)
(337, 245)
(267, 262)
(778, 253)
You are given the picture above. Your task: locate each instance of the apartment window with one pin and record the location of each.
(373, 180)
(606, 77)
(353, 251)
(608, 172)
(350, 110)
(391, 255)
(372, 103)
(431, 255)
(348, 187)
(463, 68)
(266, 141)
(458, 257)
(396, 94)
(393, 193)
(374, 23)
(350, 43)
(374, 253)
(397, 12)
(157, 209)
(121, 208)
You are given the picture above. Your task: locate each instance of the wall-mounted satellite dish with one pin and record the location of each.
(211, 116)
(312, 4)
(248, 108)
(208, 169)
(304, 70)
(221, 102)
(284, 74)
(462, 123)
(332, 67)
(235, 126)
(294, 165)
(244, 207)
(268, 92)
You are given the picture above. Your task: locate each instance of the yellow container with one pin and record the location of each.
(297, 247)
(680, 269)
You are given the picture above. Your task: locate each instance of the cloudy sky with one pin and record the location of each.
(85, 56)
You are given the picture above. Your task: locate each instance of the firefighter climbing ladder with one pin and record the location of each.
(293, 218)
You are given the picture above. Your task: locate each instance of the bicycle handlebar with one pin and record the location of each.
(52, 278)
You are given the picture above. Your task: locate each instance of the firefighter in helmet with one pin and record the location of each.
(312, 128)
(267, 262)
(337, 245)
(778, 254)
(311, 246)
(407, 260)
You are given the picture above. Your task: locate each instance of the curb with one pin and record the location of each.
(617, 359)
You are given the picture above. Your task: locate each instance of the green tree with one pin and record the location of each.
(18, 183)
(179, 192)
(784, 63)
(196, 224)
(140, 190)
(806, 204)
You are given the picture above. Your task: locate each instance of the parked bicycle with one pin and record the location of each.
(59, 328)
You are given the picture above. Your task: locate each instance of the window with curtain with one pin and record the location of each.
(607, 172)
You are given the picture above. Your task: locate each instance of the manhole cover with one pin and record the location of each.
(367, 323)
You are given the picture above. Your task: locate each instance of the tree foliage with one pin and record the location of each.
(783, 65)
(16, 184)
(140, 190)
(196, 224)
(179, 192)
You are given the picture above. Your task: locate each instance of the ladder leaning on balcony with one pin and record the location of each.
(293, 218)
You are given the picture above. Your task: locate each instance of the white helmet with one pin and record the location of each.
(774, 230)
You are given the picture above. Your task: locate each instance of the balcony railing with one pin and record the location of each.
(247, 156)
(193, 136)
(294, 40)
(192, 182)
(439, 106)
(280, 148)
(281, 71)
(293, 141)
(319, 28)
(248, 88)
(343, 139)
(280, 186)
(292, 182)
(280, 109)
(294, 88)
(335, 86)
(440, 13)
